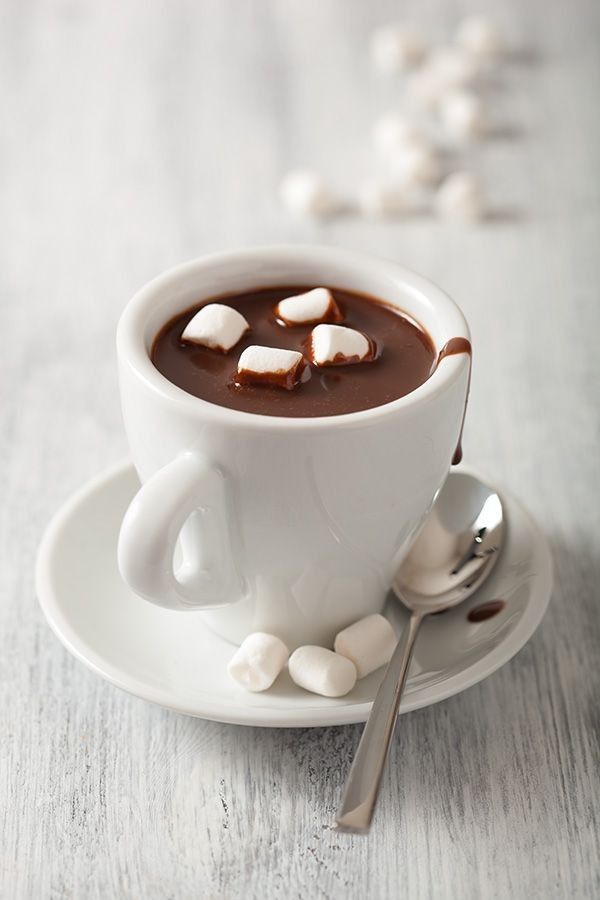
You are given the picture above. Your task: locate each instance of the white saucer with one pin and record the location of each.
(171, 658)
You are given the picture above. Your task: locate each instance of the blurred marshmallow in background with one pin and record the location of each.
(395, 48)
(442, 105)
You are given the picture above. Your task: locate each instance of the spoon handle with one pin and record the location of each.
(362, 785)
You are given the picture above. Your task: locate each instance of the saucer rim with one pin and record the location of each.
(235, 714)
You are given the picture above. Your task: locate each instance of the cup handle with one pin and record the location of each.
(151, 527)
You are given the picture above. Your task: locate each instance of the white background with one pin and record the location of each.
(136, 135)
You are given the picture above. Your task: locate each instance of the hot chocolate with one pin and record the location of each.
(276, 504)
(403, 357)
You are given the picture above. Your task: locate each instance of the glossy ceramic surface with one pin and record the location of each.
(303, 522)
(172, 658)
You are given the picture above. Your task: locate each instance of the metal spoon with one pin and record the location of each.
(451, 557)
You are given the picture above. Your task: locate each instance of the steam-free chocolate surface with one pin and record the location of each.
(406, 358)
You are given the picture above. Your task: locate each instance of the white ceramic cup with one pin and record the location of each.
(294, 526)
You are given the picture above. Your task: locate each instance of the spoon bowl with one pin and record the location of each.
(456, 548)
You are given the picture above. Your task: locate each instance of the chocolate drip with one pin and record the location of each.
(452, 348)
(486, 610)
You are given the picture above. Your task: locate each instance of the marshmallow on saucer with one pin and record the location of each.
(258, 661)
(303, 193)
(216, 326)
(369, 643)
(461, 114)
(396, 47)
(479, 36)
(333, 345)
(460, 198)
(317, 305)
(271, 366)
(322, 671)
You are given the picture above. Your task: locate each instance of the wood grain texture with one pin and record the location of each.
(136, 135)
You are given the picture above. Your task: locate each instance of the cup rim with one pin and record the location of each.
(132, 350)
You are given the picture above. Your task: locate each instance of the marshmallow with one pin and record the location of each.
(368, 643)
(322, 671)
(332, 345)
(423, 89)
(460, 197)
(258, 661)
(378, 199)
(479, 36)
(317, 305)
(415, 165)
(303, 193)
(395, 47)
(392, 131)
(216, 326)
(461, 114)
(270, 365)
(450, 67)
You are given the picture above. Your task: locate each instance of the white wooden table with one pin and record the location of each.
(136, 135)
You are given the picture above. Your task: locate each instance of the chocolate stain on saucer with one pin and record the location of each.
(486, 610)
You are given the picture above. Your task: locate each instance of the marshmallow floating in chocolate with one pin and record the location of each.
(322, 671)
(317, 305)
(334, 345)
(216, 326)
(368, 643)
(270, 366)
(258, 661)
